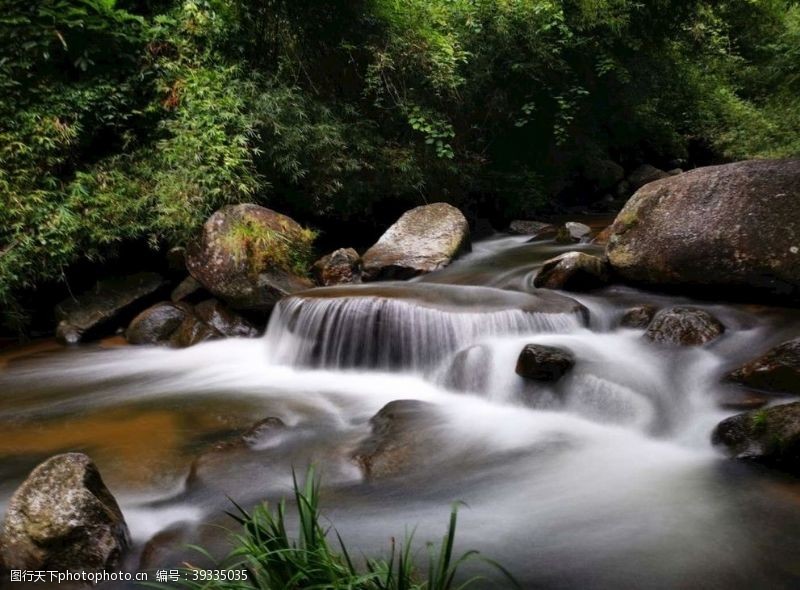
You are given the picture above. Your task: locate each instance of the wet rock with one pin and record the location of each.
(732, 228)
(402, 439)
(342, 266)
(573, 271)
(778, 370)
(166, 547)
(64, 518)
(645, 174)
(601, 239)
(544, 363)
(470, 369)
(684, 326)
(522, 227)
(156, 324)
(193, 331)
(106, 307)
(638, 317)
(770, 436)
(240, 256)
(223, 320)
(189, 290)
(423, 240)
(578, 231)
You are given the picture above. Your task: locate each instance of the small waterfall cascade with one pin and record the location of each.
(393, 328)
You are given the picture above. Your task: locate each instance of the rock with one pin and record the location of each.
(176, 259)
(156, 324)
(684, 326)
(778, 370)
(638, 317)
(244, 256)
(64, 518)
(520, 227)
(770, 436)
(730, 228)
(743, 401)
(578, 231)
(190, 290)
(601, 239)
(645, 174)
(109, 305)
(224, 321)
(470, 369)
(573, 271)
(193, 331)
(544, 363)
(342, 266)
(603, 174)
(424, 239)
(402, 439)
(675, 171)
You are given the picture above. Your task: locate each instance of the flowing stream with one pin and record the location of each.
(605, 479)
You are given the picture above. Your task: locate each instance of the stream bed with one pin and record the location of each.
(606, 479)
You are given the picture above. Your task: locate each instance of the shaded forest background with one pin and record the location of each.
(129, 122)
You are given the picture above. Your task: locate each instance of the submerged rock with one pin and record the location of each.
(424, 239)
(156, 324)
(110, 304)
(544, 363)
(645, 174)
(638, 317)
(244, 256)
(402, 439)
(573, 271)
(778, 370)
(64, 518)
(684, 326)
(342, 266)
(470, 369)
(732, 227)
(770, 436)
(521, 227)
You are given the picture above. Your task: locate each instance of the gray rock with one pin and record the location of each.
(423, 240)
(684, 326)
(235, 258)
(645, 174)
(573, 271)
(522, 227)
(638, 317)
(770, 436)
(733, 228)
(578, 231)
(156, 324)
(340, 267)
(778, 370)
(106, 307)
(544, 363)
(223, 320)
(64, 518)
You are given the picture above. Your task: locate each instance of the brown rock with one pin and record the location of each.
(573, 271)
(684, 326)
(638, 317)
(342, 266)
(778, 370)
(156, 324)
(544, 363)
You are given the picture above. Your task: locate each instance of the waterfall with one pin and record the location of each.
(396, 327)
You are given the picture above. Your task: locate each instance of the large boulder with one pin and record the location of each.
(730, 226)
(770, 436)
(424, 239)
(250, 256)
(64, 518)
(544, 363)
(777, 370)
(573, 271)
(155, 325)
(684, 326)
(109, 304)
(340, 267)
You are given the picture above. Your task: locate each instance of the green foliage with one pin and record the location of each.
(288, 248)
(134, 120)
(276, 560)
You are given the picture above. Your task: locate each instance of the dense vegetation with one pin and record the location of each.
(272, 558)
(133, 120)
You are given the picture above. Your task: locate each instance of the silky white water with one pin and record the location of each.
(605, 479)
